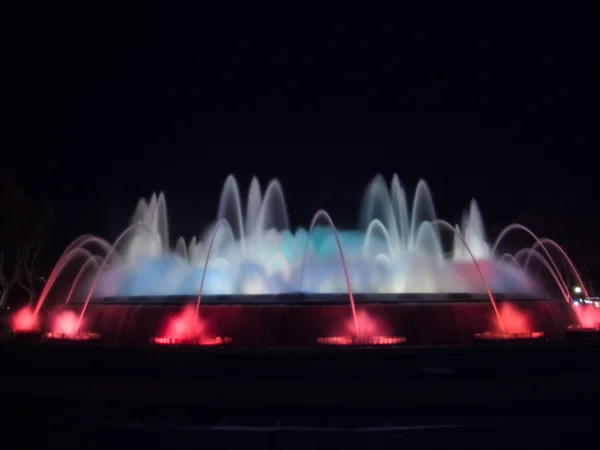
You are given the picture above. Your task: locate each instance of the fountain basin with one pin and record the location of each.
(201, 341)
(492, 336)
(366, 341)
(27, 334)
(80, 336)
(582, 332)
(288, 322)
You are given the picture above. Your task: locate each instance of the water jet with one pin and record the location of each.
(266, 284)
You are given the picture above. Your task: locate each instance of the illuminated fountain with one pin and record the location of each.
(66, 327)
(588, 313)
(258, 253)
(187, 329)
(25, 325)
(252, 251)
(512, 326)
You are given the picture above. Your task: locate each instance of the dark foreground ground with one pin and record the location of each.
(485, 397)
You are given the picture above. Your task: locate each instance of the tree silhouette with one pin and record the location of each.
(24, 231)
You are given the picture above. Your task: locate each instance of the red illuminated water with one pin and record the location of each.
(368, 325)
(514, 321)
(185, 325)
(588, 315)
(517, 326)
(373, 331)
(186, 328)
(24, 320)
(66, 323)
(65, 327)
(585, 319)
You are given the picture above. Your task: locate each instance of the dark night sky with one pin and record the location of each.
(105, 106)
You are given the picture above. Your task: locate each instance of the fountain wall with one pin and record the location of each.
(276, 325)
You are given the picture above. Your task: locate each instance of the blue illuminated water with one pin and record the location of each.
(395, 249)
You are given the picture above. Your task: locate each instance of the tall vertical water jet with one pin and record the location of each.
(253, 205)
(273, 211)
(160, 222)
(474, 233)
(377, 204)
(400, 208)
(230, 207)
(181, 249)
(422, 211)
(427, 243)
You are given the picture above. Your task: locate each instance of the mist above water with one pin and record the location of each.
(398, 247)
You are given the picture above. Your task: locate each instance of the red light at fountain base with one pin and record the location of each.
(80, 336)
(24, 326)
(186, 329)
(582, 332)
(361, 341)
(513, 337)
(66, 322)
(24, 320)
(516, 327)
(372, 332)
(202, 341)
(588, 316)
(65, 328)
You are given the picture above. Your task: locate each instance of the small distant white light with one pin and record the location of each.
(577, 290)
(575, 303)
